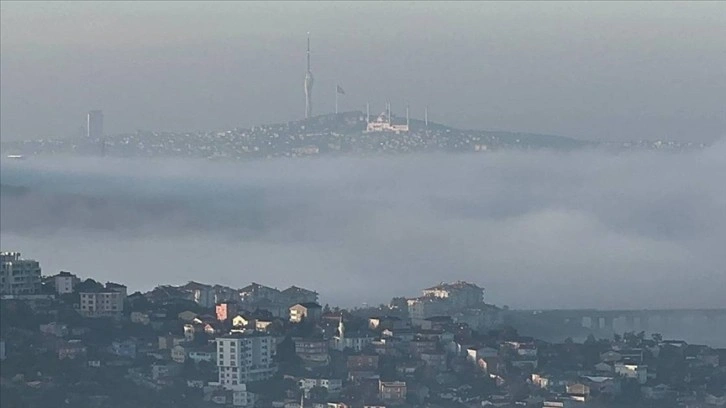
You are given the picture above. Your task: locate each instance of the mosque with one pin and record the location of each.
(384, 122)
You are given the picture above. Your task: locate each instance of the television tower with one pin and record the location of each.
(308, 86)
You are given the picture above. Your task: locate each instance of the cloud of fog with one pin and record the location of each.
(581, 229)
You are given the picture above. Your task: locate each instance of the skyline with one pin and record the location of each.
(642, 80)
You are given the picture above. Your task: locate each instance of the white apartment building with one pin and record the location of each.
(107, 302)
(244, 357)
(65, 282)
(19, 276)
(638, 372)
(459, 293)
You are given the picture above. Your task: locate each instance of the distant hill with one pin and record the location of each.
(330, 134)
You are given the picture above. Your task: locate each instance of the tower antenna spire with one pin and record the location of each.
(308, 52)
(308, 85)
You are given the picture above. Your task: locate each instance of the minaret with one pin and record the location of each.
(426, 116)
(368, 112)
(308, 86)
(341, 328)
(406, 116)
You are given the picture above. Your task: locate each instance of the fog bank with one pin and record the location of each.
(537, 230)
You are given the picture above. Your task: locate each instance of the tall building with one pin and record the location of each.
(308, 86)
(94, 126)
(19, 276)
(241, 358)
(245, 357)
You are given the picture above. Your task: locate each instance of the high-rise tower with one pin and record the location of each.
(308, 86)
(94, 124)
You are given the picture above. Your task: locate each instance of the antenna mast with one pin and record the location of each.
(308, 85)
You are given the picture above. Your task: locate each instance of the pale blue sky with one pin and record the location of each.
(592, 70)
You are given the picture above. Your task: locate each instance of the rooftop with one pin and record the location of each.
(309, 305)
(454, 285)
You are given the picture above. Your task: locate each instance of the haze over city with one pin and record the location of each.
(362, 204)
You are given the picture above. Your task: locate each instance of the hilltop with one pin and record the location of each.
(331, 134)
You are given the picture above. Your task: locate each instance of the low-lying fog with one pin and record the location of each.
(537, 230)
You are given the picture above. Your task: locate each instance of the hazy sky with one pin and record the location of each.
(594, 70)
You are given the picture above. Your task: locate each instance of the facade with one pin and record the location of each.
(200, 355)
(314, 351)
(19, 276)
(638, 372)
(310, 311)
(118, 288)
(422, 308)
(178, 354)
(392, 391)
(355, 342)
(245, 357)
(384, 123)
(200, 293)
(333, 385)
(435, 360)
(94, 124)
(362, 362)
(294, 294)
(102, 302)
(255, 292)
(460, 294)
(225, 310)
(65, 282)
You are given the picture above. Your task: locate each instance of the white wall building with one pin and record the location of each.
(18, 276)
(65, 282)
(384, 123)
(638, 372)
(459, 293)
(244, 357)
(107, 302)
(333, 385)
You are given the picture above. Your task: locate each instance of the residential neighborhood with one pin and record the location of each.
(71, 341)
